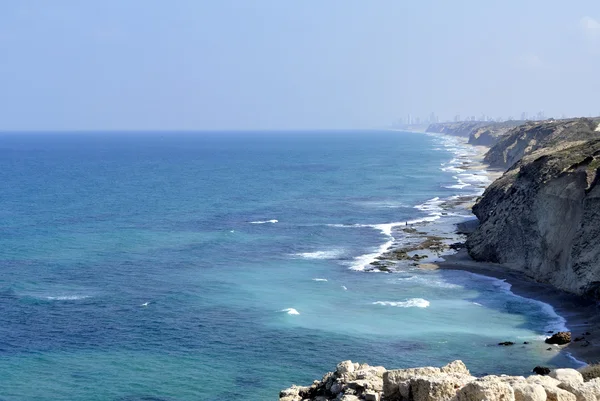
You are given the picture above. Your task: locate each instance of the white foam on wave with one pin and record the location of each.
(429, 281)
(409, 303)
(461, 184)
(66, 297)
(264, 221)
(344, 288)
(384, 204)
(319, 279)
(431, 205)
(478, 177)
(330, 254)
(290, 311)
(362, 261)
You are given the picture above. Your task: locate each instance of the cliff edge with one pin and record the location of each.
(542, 217)
(528, 138)
(484, 133)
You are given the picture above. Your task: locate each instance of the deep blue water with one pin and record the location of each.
(182, 266)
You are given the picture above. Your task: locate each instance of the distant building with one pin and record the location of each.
(524, 116)
(457, 118)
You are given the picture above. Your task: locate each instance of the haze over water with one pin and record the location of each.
(185, 266)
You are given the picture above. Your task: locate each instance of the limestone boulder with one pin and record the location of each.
(569, 377)
(489, 390)
(456, 367)
(394, 379)
(344, 367)
(550, 385)
(441, 387)
(529, 392)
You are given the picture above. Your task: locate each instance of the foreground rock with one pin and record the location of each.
(453, 382)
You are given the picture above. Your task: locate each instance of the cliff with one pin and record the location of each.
(542, 217)
(453, 382)
(479, 132)
(528, 138)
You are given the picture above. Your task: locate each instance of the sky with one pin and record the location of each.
(275, 64)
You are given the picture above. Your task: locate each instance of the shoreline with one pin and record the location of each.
(580, 314)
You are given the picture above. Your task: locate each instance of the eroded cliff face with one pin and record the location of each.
(542, 217)
(528, 138)
(483, 133)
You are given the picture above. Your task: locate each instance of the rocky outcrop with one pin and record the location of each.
(542, 217)
(560, 338)
(453, 382)
(528, 138)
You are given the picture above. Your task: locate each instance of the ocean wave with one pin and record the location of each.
(66, 297)
(319, 279)
(387, 204)
(556, 322)
(330, 254)
(409, 303)
(290, 311)
(264, 221)
(429, 281)
(431, 205)
(362, 261)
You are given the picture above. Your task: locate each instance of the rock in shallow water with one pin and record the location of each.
(560, 338)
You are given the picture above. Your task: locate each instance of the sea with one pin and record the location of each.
(230, 265)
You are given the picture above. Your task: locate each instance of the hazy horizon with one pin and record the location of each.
(232, 65)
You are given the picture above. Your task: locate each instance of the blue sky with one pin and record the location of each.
(262, 64)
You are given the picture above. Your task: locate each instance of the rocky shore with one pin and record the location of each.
(453, 382)
(538, 228)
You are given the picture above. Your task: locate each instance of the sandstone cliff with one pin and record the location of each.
(479, 132)
(542, 216)
(528, 138)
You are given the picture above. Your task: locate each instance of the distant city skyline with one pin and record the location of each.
(523, 116)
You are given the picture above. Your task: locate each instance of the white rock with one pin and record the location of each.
(488, 390)
(582, 392)
(545, 381)
(291, 398)
(345, 367)
(567, 376)
(440, 387)
(393, 379)
(456, 367)
(348, 397)
(558, 394)
(369, 372)
(529, 392)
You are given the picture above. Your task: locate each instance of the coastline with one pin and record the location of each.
(580, 315)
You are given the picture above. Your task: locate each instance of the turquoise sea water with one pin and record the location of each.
(227, 266)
